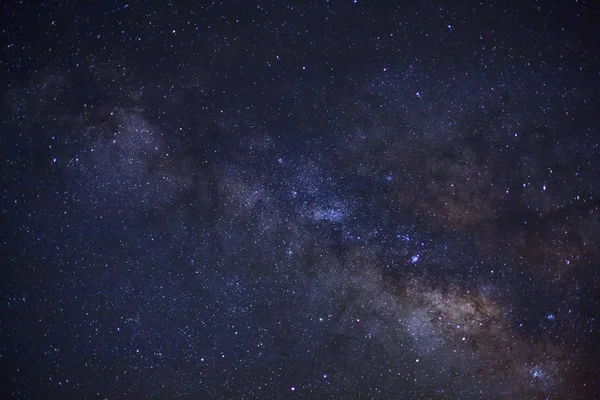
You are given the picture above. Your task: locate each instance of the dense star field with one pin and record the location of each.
(328, 200)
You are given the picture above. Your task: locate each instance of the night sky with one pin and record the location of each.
(331, 200)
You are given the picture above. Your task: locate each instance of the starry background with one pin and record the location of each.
(323, 200)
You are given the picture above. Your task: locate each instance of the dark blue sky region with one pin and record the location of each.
(330, 200)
